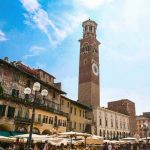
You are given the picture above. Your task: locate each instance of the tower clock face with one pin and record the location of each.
(95, 69)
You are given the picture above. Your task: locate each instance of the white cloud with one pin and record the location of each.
(34, 51)
(133, 17)
(90, 4)
(30, 5)
(136, 55)
(57, 30)
(2, 36)
(38, 16)
(139, 96)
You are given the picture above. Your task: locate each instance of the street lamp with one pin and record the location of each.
(145, 128)
(27, 91)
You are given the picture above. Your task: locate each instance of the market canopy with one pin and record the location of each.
(74, 134)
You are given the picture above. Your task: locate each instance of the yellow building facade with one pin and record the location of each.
(77, 119)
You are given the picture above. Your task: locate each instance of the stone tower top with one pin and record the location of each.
(89, 28)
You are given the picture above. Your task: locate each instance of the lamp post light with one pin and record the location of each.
(27, 91)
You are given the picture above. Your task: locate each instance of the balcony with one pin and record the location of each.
(48, 106)
(23, 120)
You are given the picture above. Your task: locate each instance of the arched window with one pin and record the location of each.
(85, 48)
(36, 131)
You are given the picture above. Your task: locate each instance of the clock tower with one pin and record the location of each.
(88, 90)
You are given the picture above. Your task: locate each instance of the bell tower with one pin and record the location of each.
(88, 88)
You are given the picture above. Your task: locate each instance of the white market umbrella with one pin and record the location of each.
(75, 134)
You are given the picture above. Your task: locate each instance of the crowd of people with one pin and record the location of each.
(127, 146)
(81, 146)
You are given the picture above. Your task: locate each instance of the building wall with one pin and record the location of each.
(140, 130)
(127, 107)
(88, 88)
(13, 102)
(110, 124)
(77, 120)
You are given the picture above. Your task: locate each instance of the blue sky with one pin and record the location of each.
(45, 34)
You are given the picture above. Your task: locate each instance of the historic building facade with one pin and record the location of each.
(16, 107)
(77, 118)
(141, 129)
(126, 107)
(53, 113)
(111, 124)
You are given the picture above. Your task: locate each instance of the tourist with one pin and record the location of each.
(109, 146)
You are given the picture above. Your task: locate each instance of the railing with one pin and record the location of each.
(48, 106)
(22, 120)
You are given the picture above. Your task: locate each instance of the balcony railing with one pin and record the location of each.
(48, 106)
(22, 120)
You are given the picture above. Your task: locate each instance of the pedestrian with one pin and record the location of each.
(46, 145)
(109, 146)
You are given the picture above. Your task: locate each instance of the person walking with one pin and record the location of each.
(109, 146)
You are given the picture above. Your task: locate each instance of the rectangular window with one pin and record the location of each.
(83, 114)
(44, 119)
(71, 110)
(11, 111)
(59, 122)
(28, 83)
(15, 93)
(80, 112)
(71, 125)
(2, 110)
(80, 127)
(39, 118)
(52, 121)
(83, 126)
(62, 102)
(68, 104)
(49, 120)
(106, 123)
(100, 121)
(74, 125)
(74, 111)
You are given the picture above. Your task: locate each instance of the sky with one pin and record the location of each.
(44, 34)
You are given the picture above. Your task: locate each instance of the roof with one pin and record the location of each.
(89, 20)
(77, 103)
(121, 100)
(142, 118)
(46, 73)
(112, 111)
(31, 76)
